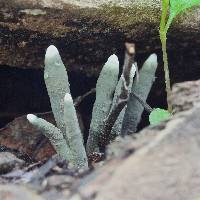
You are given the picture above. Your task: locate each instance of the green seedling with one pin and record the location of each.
(174, 8)
(158, 115)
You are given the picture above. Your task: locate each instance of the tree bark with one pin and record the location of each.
(86, 32)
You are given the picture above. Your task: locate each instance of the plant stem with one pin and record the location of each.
(163, 38)
(166, 70)
(165, 7)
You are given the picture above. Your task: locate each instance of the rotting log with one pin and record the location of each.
(86, 32)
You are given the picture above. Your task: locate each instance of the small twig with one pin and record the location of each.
(122, 99)
(146, 106)
(79, 99)
(129, 59)
(39, 173)
(137, 72)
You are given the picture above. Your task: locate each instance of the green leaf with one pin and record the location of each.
(178, 6)
(158, 115)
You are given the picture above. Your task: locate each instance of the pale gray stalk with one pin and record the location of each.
(141, 88)
(73, 134)
(56, 80)
(105, 88)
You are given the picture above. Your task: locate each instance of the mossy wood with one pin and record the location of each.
(87, 31)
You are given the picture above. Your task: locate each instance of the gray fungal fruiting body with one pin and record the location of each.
(67, 138)
(116, 130)
(141, 88)
(53, 134)
(73, 133)
(109, 110)
(105, 88)
(56, 80)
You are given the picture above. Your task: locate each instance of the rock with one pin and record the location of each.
(163, 163)
(60, 181)
(8, 161)
(185, 95)
(56, 194)
(16, 192)
(87, 32)
(166, 168)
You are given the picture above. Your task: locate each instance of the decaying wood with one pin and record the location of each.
(86, 32)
